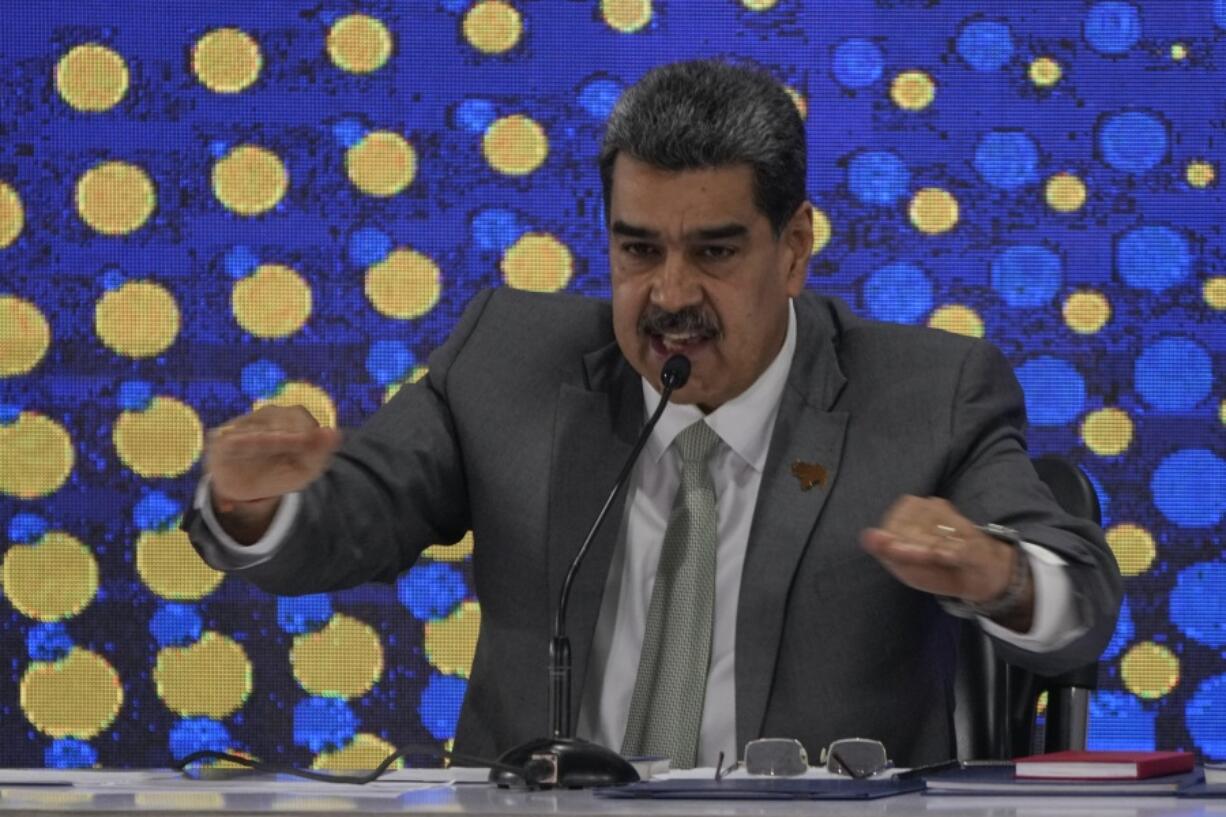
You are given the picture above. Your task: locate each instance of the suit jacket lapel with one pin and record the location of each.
(594, 430)
(806, 431)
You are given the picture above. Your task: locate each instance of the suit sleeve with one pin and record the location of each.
(395, 487)
(989, 478)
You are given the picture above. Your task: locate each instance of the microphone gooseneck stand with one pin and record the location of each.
(562, 760)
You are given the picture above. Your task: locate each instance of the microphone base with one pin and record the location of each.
(565, 763)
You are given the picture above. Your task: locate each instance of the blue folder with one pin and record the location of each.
(1203, 791)
(764, 788)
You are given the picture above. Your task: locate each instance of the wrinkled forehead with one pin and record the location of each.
(710, 202)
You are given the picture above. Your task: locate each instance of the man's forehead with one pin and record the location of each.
(715, 201)
(626, 167)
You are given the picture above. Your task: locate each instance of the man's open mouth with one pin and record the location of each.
(672, 343)
(687, 332)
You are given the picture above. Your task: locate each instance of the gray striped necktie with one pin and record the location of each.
(666, 710)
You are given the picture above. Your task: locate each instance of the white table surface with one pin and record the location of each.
(163, 792)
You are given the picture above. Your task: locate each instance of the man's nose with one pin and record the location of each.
(676, 284)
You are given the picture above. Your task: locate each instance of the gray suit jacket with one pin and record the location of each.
(519, 430)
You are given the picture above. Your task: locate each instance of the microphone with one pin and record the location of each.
(562, 759)
(674, 375)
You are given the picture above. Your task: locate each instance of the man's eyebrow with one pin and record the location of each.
(733, 230)
(631, 231)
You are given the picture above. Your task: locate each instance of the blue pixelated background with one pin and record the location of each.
(1044, 174)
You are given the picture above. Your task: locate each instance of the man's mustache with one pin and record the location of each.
(688, 321)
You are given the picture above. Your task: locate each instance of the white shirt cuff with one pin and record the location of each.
(1056, 622)
(266, 546)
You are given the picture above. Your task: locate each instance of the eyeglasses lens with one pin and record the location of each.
(856, 758)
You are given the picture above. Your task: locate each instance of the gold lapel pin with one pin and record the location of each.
(809, 474)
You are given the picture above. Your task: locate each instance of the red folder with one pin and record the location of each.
(1103, 765)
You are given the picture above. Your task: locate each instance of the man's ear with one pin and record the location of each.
(798, 238)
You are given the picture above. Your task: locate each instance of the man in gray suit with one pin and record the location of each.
(834, 513)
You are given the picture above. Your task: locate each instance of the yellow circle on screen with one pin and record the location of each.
(75, 697)
(36, 456)
(137, 319)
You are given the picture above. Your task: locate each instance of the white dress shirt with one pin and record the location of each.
(744, 426)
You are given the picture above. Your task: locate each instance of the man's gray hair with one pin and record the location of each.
(709, 114)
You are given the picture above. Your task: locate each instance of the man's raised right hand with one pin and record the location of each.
(253, 460)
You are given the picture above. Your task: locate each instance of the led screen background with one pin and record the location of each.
(206, 206)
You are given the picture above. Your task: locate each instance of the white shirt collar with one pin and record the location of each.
(744, 423)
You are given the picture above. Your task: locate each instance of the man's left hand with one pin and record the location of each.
(928, 545)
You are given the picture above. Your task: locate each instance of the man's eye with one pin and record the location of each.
(716, 252)
(639, 249)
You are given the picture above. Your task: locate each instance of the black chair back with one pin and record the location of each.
(996, 702)
(1070, 486)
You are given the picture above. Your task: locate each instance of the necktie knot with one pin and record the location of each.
(696, 443)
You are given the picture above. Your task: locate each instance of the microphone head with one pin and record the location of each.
(676, 372)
